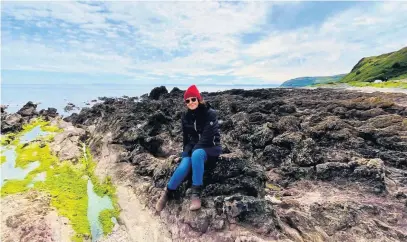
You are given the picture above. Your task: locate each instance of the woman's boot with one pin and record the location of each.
(163, 200)
(195, 198)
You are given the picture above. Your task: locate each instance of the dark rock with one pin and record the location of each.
(3, 108)
(72, 118)
(333, 170)
(401, 195)
(287, 109)
(271, 156)
(299, 221)
(144, 96)
(249, 210)
(306, 153)
(50, 112)
(288, 123)
(157, 92)
(262, 136)
(14, 221)
(383, 121)
(176, 90)
(29, 109)
(70, 106)
(289, 140)
(11, 123)
(329, 217)
(228, 176)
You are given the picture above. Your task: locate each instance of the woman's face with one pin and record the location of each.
(192, 103)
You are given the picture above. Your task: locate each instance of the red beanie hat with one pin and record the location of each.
(192, 91)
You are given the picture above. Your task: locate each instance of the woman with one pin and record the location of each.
(201, 141)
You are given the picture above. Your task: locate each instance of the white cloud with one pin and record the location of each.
(172, 25)
(34, 56)
(144, 39)
(329, 50)
(191, 27)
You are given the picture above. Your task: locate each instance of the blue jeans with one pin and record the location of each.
(196, 161)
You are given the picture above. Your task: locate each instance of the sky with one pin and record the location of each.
(205, 42)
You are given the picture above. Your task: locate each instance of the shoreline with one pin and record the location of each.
(78, 105)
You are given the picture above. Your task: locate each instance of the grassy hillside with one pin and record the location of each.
(312, 80)
(390, 66)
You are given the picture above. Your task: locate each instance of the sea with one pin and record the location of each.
(81, 95)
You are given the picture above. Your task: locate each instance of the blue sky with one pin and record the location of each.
(208, 42)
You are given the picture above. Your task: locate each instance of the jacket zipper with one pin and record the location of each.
(199, 135)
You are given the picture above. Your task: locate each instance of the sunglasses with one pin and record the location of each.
(194, 99)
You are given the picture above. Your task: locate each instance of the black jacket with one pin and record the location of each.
(200, 128)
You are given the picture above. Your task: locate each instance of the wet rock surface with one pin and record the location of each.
(298, 164)
(70, 107)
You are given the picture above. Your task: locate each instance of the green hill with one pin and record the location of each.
(390, 66)
(311, 80)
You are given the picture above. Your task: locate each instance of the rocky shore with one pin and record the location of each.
(298, 164)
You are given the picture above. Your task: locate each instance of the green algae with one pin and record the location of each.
(272, 187)
(102, 188)
(67, 188)
(3, 159)
(9, 139)
(26, 154)
(66, 182)
(106, 221)
(15, 186)
(14, 138)
(43, 124)
(35, 151)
